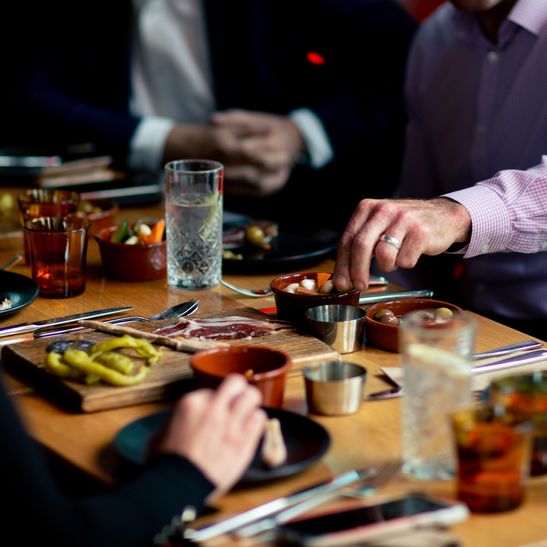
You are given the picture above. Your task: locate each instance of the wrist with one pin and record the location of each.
(460, 220)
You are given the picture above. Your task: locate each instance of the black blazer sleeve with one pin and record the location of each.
(36, 512)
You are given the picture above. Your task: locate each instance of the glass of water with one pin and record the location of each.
(437, 363)
(193, 205)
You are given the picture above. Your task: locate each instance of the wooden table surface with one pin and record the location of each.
(366, 438)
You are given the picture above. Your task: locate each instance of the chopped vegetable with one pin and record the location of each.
(322, 278)
(156, 233)
(122, 233)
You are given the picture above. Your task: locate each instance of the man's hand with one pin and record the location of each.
(218, 431)
(257, 150)
(420, 227)
(269, 145)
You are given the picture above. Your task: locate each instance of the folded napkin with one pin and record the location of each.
(480, 381)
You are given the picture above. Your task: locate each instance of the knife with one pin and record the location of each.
(384, 297)
(501, 364)
(277, 505)
(29, 327)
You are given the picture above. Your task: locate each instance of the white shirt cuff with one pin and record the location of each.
(314, 135)
(148, 143)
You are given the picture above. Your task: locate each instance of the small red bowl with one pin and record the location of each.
(263, 367)
(140, 262)
(293, 306)
(386, 335)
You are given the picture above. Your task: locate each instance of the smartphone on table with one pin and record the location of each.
(368, 522)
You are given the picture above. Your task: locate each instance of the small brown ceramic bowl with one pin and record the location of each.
(263, 367)
(101, 213)
(140, 262)
(293, 306)
(386, 335)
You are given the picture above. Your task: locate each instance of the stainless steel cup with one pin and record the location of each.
(342, 327)
(334, 387)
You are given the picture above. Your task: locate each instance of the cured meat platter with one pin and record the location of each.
(167, 379)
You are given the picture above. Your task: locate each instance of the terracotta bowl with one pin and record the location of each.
(263, 367)
(385, 335)
(141, 262)
(104, 218)
(292, 307)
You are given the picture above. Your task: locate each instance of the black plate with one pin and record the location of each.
(306, 442)
(19, 289)
(290, 250)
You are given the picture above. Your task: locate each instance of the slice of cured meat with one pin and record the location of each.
(224, 328)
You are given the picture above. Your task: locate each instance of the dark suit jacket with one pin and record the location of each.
(80, 87)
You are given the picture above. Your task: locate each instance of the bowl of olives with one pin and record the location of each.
(382, 320)
(297, 292)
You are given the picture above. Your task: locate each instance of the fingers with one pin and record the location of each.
(357, 245)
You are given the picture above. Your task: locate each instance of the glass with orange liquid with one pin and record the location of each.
(41, 202)
(58, 249)
(524, 397)
(493, 457)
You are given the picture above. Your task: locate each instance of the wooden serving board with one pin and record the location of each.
(164, 380)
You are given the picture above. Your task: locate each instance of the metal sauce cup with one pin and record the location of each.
(334, 387)
(342, 327)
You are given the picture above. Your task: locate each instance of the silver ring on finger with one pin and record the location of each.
(390, 240)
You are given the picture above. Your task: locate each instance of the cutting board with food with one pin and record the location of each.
(88, 370)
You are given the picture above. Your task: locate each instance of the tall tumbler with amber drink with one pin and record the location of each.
(42, 202)
(524, 397)
(493, 455)
(58, 250)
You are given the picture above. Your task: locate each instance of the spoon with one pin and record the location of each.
(15, 259)
(375, 280)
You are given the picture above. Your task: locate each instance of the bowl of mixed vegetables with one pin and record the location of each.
(133, 251)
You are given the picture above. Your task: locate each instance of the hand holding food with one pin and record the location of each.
(218, 431)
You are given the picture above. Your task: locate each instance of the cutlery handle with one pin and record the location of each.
(54, 331)
(374, 298)
(528, 345)
(20, 328)
(519, 360)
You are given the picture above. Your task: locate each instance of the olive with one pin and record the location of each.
(443, 314)
(60, 346)
(390, 319)
(255, 235)
(381, 314)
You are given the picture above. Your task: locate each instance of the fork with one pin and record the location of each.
(374, 479)
(178, 310)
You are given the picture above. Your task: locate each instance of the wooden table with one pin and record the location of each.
(366, 438)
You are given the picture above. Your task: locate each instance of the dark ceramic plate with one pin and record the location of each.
(290, 250)
(306, 441)
(19, 289)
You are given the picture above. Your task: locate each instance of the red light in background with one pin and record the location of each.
(315, 58)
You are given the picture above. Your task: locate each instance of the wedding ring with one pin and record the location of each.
(390, 240)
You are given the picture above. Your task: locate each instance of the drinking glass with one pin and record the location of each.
(58, 249)
(42, 202)
(194, 223)
(493, 455)
(436, 359)
(524, 397)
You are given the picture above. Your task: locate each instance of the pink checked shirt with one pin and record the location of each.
(478, 134)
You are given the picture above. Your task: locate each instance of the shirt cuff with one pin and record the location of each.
(148, 143)
(490, 221)
(314, 135)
